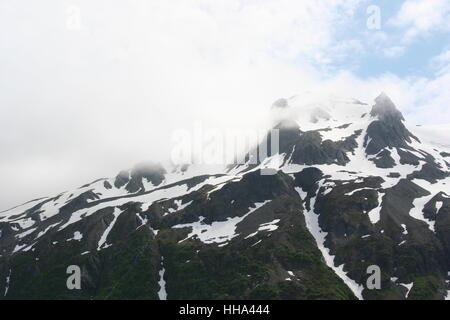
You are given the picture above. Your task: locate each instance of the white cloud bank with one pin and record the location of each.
(76, 105)
(421, 17)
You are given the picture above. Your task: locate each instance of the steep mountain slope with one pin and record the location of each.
(353, 186)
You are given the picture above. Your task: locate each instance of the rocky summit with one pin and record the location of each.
(354, 186)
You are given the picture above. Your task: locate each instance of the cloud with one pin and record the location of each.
(394, 52)
(441, 62)
(420, 17)
(84, 100)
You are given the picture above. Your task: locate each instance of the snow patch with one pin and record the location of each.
(77, 236)
(24, 234)
(8, 279)
(40, 234)
(258, 242)
(409, 287)
(374, 214)
(312, 223)
(102, 241)
(219, 231)
(143, 221)
(405, 231)
(162, 293)
(269, 226)
(439, 205)
(19, 247)
(356, 190)
(419, 204)
(179, 206)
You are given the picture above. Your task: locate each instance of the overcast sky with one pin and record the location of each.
(88, 88)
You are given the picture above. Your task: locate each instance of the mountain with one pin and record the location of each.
(353, 186)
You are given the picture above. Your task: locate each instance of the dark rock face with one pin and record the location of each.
(408, 158)
(388, 131)
(385, 109)
(107, 185)
(244, 196)
(122, 179)
(429, 172)
(358, 243)
(384, 160)
(154, 173)
(79, 202)
(311, 150)
(289, 133)
(280, 104)
(133, 181)
(307, 179)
